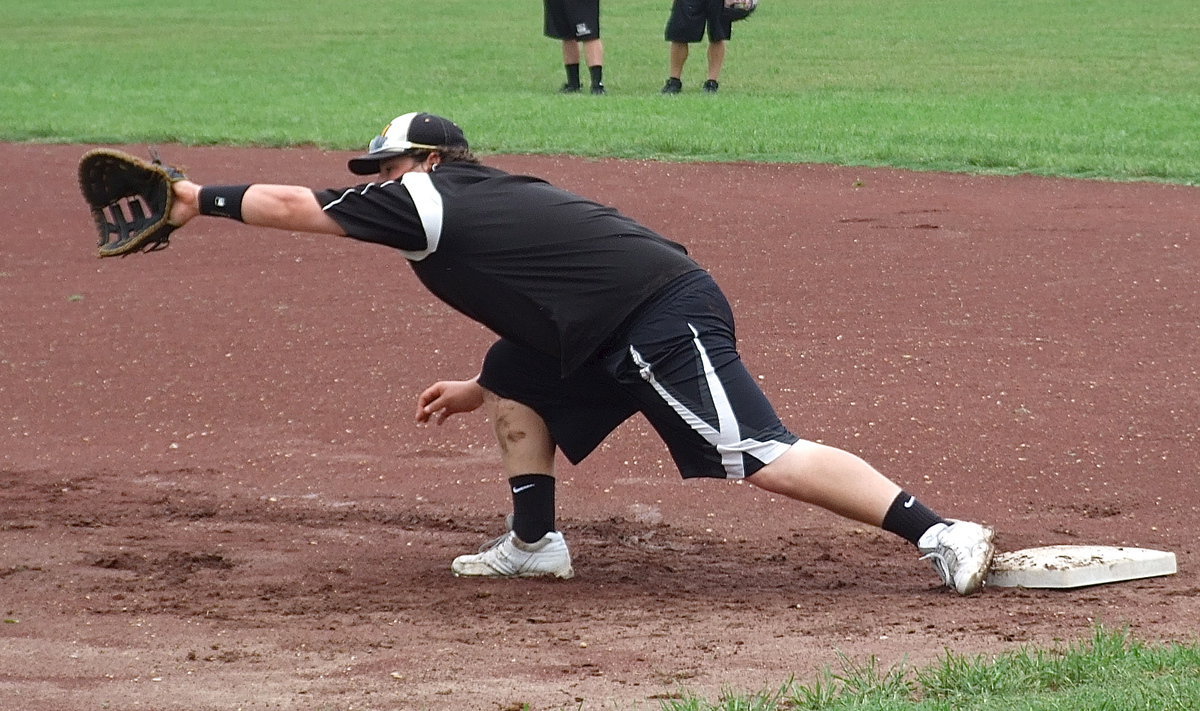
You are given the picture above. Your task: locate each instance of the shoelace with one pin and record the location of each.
(940, 564)
(492, 543)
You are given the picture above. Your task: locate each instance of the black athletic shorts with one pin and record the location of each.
(677, 364)
(572, 19)
(689, 18)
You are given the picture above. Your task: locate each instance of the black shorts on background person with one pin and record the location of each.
(576, 23)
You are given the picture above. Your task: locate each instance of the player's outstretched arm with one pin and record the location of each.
(285, 207)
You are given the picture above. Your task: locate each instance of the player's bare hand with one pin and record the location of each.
(448, 397)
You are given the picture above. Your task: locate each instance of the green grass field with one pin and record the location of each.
(1110, 672)
(1105, 88)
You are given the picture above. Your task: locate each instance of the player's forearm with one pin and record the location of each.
(285, 207)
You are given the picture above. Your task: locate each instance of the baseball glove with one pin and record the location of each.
(739, 9)
(130, 200)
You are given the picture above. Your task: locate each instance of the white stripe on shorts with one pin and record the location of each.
(727, 438)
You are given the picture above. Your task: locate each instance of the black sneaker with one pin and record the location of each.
(598, 90)
(711, 86)
(673, 86)
(570, 89)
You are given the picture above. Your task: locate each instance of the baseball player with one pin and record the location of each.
(598, 318)
(576, 23)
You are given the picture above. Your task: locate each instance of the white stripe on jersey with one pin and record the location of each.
(352, 191)
(429, 207)
(428, 202)
(727, 439)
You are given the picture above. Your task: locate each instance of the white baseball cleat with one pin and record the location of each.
(961, 552)
(510, 557)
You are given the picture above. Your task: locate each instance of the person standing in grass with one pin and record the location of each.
(576, 23)
(686, 26)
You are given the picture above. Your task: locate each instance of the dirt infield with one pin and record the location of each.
(213, 495)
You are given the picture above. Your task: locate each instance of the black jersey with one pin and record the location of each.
(536, 264)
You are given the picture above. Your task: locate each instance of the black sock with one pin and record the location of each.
(533, 506)
(909, 518)
(572, 74)
(597, 73)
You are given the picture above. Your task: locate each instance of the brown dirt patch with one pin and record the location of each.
(212, 495)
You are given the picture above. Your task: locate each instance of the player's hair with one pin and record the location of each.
(449, 154)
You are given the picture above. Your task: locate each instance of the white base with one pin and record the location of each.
(1077, 566)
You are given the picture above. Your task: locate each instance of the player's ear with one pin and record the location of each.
(432, 161)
